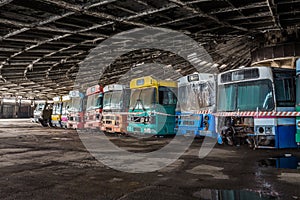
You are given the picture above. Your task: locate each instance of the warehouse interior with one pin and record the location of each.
(43, 42)
(45, 51)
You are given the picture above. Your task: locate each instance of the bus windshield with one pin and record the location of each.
(196, 96)
(94, 101)
(75, 105)
(112, 100)
(40, 107)
(56, 108)
(246, 96)
(142, 98)
(65, 107)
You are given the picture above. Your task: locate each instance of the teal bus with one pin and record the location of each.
(152, 106)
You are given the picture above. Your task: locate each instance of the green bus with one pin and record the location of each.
(152, 106)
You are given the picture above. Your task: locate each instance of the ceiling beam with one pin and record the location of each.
(4, 2)
(73, 8)
(253, 16)
(232, 9)
(101, 3)
(201, 13)
(238, 10)
(151, 11)
(288, 2)
(43, 22)
(273, 10)
(125, 9)
(30, 66)
(178, 20)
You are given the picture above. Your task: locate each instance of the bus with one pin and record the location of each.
(56, 112)
(256, 105)
(43, 112)
(66, 102)
(115, 106)
(94, 107)
(76, 110)
(152, 106)
(39, 107)
(197, 102)
(298, 100)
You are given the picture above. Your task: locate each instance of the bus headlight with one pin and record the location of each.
(147, 119)
(206, 125)
(206, 118)
(268, 130)
(205, 122)
(261, 130)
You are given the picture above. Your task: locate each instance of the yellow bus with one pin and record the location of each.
(56, 112)
(152, 106)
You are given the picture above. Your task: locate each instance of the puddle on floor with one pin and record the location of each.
(283, 162)
(211, 194)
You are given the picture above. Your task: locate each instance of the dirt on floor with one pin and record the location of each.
(51, 163)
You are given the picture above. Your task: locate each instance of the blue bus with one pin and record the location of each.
(197, 103)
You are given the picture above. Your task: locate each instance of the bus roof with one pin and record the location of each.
(245, 74)
(57, 99)
(195, 77)
(114, 87)
(149, 81)
(94, 90)
(76, 94)
(252, 74)
(66, 98)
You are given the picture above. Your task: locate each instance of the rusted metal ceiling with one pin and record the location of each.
(42, 42)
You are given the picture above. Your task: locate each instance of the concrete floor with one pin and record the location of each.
(45, 163)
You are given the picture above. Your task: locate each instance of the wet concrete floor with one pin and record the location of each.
(45, 163)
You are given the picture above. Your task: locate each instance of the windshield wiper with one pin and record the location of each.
(139, 101)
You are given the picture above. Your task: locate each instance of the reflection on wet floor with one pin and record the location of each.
(211, 194)
(284, 162)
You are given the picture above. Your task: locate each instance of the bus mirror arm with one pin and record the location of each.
(266, 102)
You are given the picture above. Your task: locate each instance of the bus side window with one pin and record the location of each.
(172, 98)
(285, 92)
(166, 96)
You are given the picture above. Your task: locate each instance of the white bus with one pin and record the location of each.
(257, 105)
